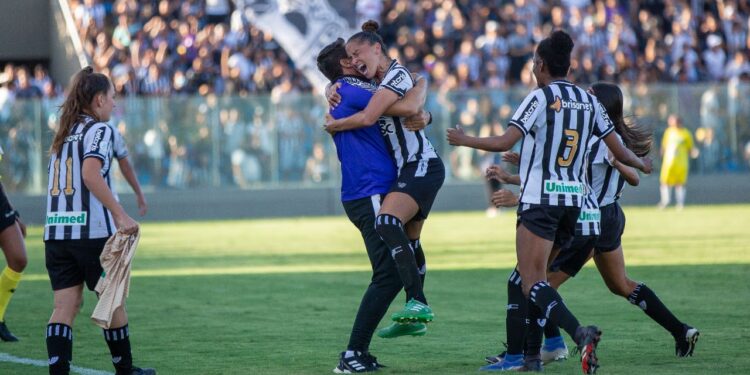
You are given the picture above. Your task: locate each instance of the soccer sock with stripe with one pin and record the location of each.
(551, 331)
(391, 230)
(8, 282)
(59, 347)
(535, 333)
(646, 299)
(118, 341)
(516, 315)
(416, 245)
(553, 308)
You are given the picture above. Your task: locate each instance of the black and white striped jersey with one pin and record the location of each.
(606, 180)
(589, 220)
(558, 122)
(406, 145)
(73, 212)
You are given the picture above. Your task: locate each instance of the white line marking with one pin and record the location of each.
(5, 357)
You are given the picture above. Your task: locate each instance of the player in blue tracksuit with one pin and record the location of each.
(368, 172)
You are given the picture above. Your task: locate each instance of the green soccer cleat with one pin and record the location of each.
(406, 329)
(414, 311)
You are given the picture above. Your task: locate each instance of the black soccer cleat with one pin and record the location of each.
(359, 362)
(497, 358)
(685, 344)
(5, 334)
(587, 339)
(138, 371)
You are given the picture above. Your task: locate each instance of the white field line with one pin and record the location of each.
(5, 357)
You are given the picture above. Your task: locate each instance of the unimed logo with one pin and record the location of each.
(563, 187)
(589, 216)
(66, 218)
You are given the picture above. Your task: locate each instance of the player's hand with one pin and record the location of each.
(332, 95)
(142, 205)
(512, 158)
(126, 224)
(329, 124)
(456, 136)
(504, 198)
(418, 121)
(21, 226)
(648, 165)
(496, 172)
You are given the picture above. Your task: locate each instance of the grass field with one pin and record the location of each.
(279, 296)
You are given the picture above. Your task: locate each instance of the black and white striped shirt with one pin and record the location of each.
(73, 212)
(589, 220)
(406, 145)
(558, 122)
(606, 180)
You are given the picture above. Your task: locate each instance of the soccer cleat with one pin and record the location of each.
(532, 365)
(403, 329)
(414, 311)
(685, 344)
(554, 350)
(373, 361)
(587, 338)
(497, 358)
(138, 371)
(506, 364)
(357, 363)
(5, 334)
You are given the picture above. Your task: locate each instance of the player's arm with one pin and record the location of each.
(629, 174)
(375, 108)
(129, 173)
(496, 172)
(504, 198)
(625, 156)
(412, 102)
(92, 178)
(498, 143)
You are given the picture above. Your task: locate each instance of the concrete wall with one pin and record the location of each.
(24, 30)
(236, 204)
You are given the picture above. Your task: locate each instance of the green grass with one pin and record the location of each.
(279, 296)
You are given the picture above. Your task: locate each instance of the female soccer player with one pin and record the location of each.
(676, 146)
(12, 233)
(556, 122)
(609, 177)
(420, 171)
(82, 213)
(368, 172)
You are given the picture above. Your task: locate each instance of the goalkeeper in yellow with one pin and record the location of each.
(676, 147)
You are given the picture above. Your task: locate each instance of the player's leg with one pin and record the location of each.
(414, 230)
(67, 302)
(611, 265)
(384, 286)
(679, 196)
(12, 243)
(664, 194)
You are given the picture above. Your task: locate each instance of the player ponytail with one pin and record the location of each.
(637, 137)
(84, 86)
(369, 34)
(555, 52)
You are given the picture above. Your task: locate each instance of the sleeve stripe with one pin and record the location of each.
(518, 125)
(398, 92)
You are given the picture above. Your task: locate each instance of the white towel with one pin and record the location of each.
(114, 283)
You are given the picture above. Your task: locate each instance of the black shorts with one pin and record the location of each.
(8, 214)
(612, 228)
(72, 262)
(553, 223)
(421, 180)
(573, 257)
(362, 213)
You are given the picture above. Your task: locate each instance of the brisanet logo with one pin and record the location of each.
(66, 218)
(564, 187)
(559, 104)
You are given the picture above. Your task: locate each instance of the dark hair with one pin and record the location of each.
(329, 59)
(555, 52)
(83, 87)
(369, 34)
(637, 137)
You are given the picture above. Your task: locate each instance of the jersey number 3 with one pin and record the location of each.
(69, 190)
(571, 147)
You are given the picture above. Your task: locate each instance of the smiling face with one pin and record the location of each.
(365, 57)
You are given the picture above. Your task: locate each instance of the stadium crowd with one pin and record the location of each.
(179, 49)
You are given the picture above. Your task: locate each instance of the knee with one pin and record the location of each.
(622, 287)
(18, 263)
(385, 225)
(68, 307)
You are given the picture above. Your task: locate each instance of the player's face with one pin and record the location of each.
(364, 57)
(537, 70)
(105, 104)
